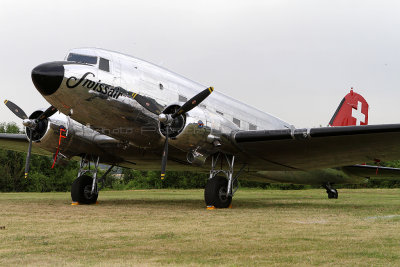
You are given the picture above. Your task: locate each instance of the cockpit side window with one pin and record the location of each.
(82, 58)
(104, 64)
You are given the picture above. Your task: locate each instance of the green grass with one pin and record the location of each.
(160, 227)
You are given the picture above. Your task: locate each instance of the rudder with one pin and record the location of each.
(352, 110)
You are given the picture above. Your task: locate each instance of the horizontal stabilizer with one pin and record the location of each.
(369, 171)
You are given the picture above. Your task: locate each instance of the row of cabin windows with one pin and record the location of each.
(252, 127)
(104, 64)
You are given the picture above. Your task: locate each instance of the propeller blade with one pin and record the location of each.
(31, 124)
(148, 103)
(47, 113)
(165, 155)
(16, 110)
(193, 102)
(28, 156)
(168, 119)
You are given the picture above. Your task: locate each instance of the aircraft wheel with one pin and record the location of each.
(81, 190)
(215, 193)
(333, 193)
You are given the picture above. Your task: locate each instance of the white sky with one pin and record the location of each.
(293, 59)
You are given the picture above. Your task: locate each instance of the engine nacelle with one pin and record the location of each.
(79, 139)
(204, 133)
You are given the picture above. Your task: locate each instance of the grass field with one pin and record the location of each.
(160, 227)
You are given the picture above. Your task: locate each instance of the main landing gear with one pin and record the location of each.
(332, 192)
(85, 189)
(219, 189)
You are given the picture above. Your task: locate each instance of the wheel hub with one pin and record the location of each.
(87, 192)
(222, 194)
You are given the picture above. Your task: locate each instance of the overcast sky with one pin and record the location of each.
(293, 59)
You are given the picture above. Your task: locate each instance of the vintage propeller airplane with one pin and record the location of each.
(111, 108)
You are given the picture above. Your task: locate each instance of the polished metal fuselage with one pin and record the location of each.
(103, 101)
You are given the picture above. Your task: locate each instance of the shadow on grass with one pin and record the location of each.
(281, 203)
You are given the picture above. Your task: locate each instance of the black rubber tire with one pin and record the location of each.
(214, 193)
(80, 190)
(333, 193)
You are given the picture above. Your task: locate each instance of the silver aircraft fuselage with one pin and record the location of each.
(102, 98)
(100, 104)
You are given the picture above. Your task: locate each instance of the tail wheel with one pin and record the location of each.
(215, 193)
(81, 190)
(333, 193)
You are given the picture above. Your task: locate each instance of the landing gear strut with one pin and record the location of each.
(85, 189)
(332, 192)
(220, 190)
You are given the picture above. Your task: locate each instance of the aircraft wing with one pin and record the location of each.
(369, 171)
(19, 142)
(315, 148)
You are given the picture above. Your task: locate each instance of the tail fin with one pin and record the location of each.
(353, 110)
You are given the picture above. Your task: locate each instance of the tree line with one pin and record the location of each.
(42, 178)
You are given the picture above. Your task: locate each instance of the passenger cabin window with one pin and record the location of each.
(104, 64)
(82, 58)
(182, 98)
(252, 127)
(236, 121)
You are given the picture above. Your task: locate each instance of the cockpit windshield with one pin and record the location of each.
(82, 58)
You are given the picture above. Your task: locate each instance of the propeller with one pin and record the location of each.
(16, 110)
(164, 155)
(31, 124)
(168, 119)
(148, 103)
(28, 156)
(47, 113)
(193, 102)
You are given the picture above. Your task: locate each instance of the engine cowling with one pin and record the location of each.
(41, 128)
(201, 133)
(79, 139)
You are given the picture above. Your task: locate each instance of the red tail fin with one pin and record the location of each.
(353, 110)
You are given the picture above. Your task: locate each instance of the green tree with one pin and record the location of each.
(41, 177)
(10, 127)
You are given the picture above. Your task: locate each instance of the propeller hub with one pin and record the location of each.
(29, 123)
(165, 118)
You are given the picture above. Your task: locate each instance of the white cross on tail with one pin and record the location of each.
(357, 114)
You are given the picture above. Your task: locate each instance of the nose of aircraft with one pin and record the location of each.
(47, 77)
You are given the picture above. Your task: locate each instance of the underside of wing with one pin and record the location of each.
(19, 143)
(316, 148)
